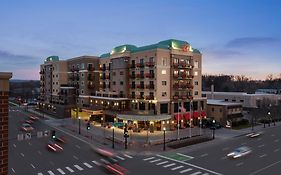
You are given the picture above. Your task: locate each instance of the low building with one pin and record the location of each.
(268, 91)
(224, 112)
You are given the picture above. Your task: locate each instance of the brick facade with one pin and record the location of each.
(4, 94)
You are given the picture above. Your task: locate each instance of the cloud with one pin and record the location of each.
(252, 42)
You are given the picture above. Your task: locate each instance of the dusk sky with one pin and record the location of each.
(241, 37)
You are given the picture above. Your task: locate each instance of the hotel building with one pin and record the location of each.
(153, 85)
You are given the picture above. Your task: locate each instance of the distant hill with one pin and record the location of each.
(25, 89)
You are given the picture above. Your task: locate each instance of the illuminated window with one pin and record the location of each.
(196, 64)
(195, 73)
(164, 72)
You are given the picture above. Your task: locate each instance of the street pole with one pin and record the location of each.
(200, 123)
(113, 137)
(164, 141)
(79, 125)
(252, 123)
(214, 129)
(178, 122)
(190, 123)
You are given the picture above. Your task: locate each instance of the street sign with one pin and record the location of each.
(20, 137)
(39, 134)
(27, 136)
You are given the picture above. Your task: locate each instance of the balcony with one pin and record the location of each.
(149, 86)
(132, 66)
(140, 76)
(132, 76)
(189, 86)
(91, 86)
(176, 75)
(90, 68)
(140, 65)
(149, 75)
(139, 97)
(133, 86)
(149, 64)
(184, 97)
(149, 97)
(175, 97)
(140, 86)
(176, 86)
(175, 65)
(133, 96)
(74, 69)
(107, 77)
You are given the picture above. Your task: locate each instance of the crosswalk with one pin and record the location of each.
(78, 167)
(178, 166)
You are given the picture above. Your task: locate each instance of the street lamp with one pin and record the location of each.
(214, 121)
(190, 125)
(164, 139)
(268, 118)
(79, 124)
(112, 137)
(102, 125)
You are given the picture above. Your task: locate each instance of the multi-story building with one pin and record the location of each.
(4, 94)
(157, 85)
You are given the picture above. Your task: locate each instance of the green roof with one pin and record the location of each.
(166, 44)
(52, 58)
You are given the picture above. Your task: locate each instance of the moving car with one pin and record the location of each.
(60, 139)
(54, 147)
(113, 167)
(239, 152)
(29, 121)
(26, 127)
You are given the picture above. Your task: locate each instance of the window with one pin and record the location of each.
(164, 72)
(226, 99)
(196, 83)
(196, 64)
(114, 83)
(241, 101)
(57, 83)
(121, 73)
(164, 108)
(220, 110)
(213, 109)
(164, 83)
(82, 75)
(82, 65)
(121, 82)
(196, 92)
(57, 75)
(82, 91)
(113, 73)
(164, 94)
(233, 100)
(195, 73)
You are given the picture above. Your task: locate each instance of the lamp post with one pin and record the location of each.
(79, 124)
(190, 125)
(112, 137)
(200, 123)
(268, 118)
(164, 139)
(214, 121)
(102, 125)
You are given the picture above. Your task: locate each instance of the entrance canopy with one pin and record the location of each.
(144, 117)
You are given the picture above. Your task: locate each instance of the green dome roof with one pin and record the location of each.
(52, 58)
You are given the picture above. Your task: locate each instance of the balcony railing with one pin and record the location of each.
(175, 97)
(149, 97)
(139, 97)
(140, 65)
(140, 86)
(149, 86)
(91, 86)
(133, 86)
(140, 76)
(90, 68)
(149, 64)
(132, 66)
(149, 75)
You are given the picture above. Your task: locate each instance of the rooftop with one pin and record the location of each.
(221, 103)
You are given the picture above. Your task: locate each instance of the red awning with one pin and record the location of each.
(187, 116)
(178, 117)
(203, 113)
(195, 114)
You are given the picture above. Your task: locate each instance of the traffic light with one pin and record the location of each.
(88, 126)
(53, 134)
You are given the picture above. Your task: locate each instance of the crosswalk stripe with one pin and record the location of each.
(157, 160)
(95, 162)
(121, 158)
(128, 156)
(88, 165)
(172, 164)
(78, 167)
(60, 170)
(51, 173)
(69, 169)
(39, 173)
(177, 168)
(148, 158)
(196, 173)
(162, 163)
(186, 170)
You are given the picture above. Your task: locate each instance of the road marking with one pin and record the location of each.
(177, 168)
(276, 150)
(51, 173)
(95, 162)
(69, 169)
(205, 174)
(39, 152)
(128, 156)
(78, 167)
(264, 168)
(14, 145)
(75, 157)
(148, 158)
(77, 146)
(263, 155)
(39, 173)
(186, 170)
(121, 158)
(32, 166)
(204, 155)
(166, 166)
(261, 146)
(156, 160)
(276, 140)
(162, 163)
(239, 164)
(13, 170)
(195, 166)
(190, 157)
(22, 154)
(88, 165)
(60, 170)
(196, 173)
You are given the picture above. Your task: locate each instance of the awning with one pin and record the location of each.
(143, 117)
(203, 113)
(187, 116)
(178, 117)
(195, 114)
